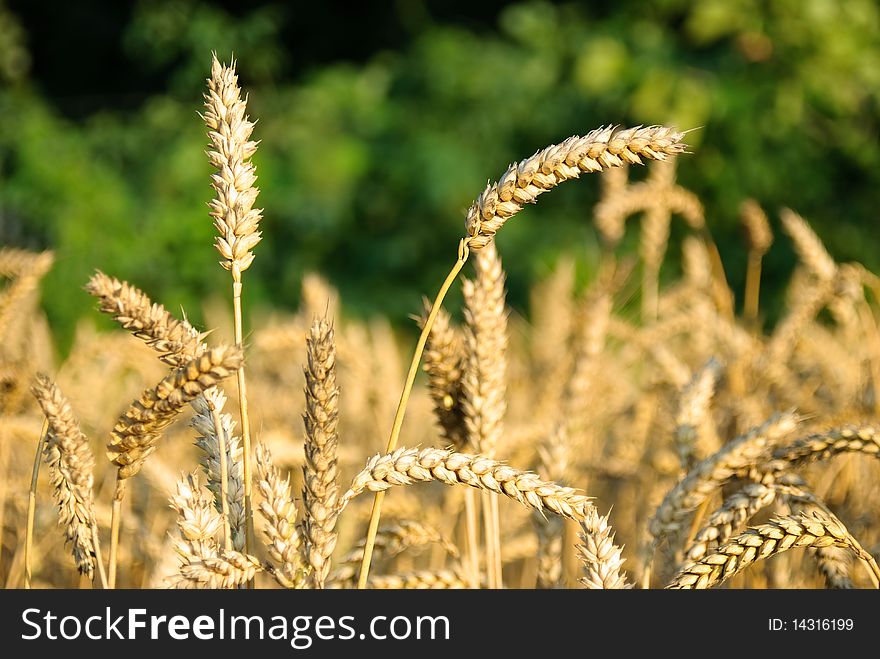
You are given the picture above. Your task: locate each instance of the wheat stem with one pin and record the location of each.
(32, 504)
(115, 514)
(376, 512)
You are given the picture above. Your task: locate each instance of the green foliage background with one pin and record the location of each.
(366, 169)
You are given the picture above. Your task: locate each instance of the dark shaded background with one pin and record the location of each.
(381, 121)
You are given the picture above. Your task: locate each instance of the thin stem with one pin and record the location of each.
(473, 548)
(224, 474)
(96, 541)
(116, 512)
(753, 287)
(496, 542)
(245, 424)
(491, 575)
(401, 407)
(32, 504)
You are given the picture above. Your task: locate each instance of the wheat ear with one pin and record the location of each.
(221, 461)
(70, 463)
(808, 246)
(283, 541)
(484, 384)
(235, 218)
(137, 431)
(603, 563)
(600, 149)
(694, 414)
(175, 340)
(405, 466)
(813, 529)
(320, 473)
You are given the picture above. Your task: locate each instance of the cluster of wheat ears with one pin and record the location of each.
(705, 432)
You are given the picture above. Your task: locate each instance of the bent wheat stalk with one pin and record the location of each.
(521, 184)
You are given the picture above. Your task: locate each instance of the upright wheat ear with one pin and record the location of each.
(235, 218)
(521, 184)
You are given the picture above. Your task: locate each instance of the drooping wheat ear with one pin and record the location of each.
(835, 565)
(279, 512)
(813, 529)
(707, 476)
(27, 269)
(484, 385)
(443, 363)
(808, 246)
(320, 473)
(523, 181)
(824, 445)
(235, 218)
(71, 463)
(175, 340)
(733, 514)
(603, 563)
(554, 455)
(693, 416)
(210, 422)
(230, 151)
(137, 432)
(405, 466)
(391, 541)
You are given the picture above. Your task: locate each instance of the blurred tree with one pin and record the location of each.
(367, 163)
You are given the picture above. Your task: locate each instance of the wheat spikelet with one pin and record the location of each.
(137, 432)
(204, 422)
(705, 478)
(15, 262)
(320, 473)
(443, 358)
(809, 247)
(230, 151)
(522, 182)
(405, 466)
(283, 541)
(814, 529)
(175, 340)
(603, 564)
(70, 464)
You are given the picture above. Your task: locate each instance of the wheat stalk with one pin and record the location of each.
(235, 218)
(759, 237)
(320, 473)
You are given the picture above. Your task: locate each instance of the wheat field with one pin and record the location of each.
(634, 432)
